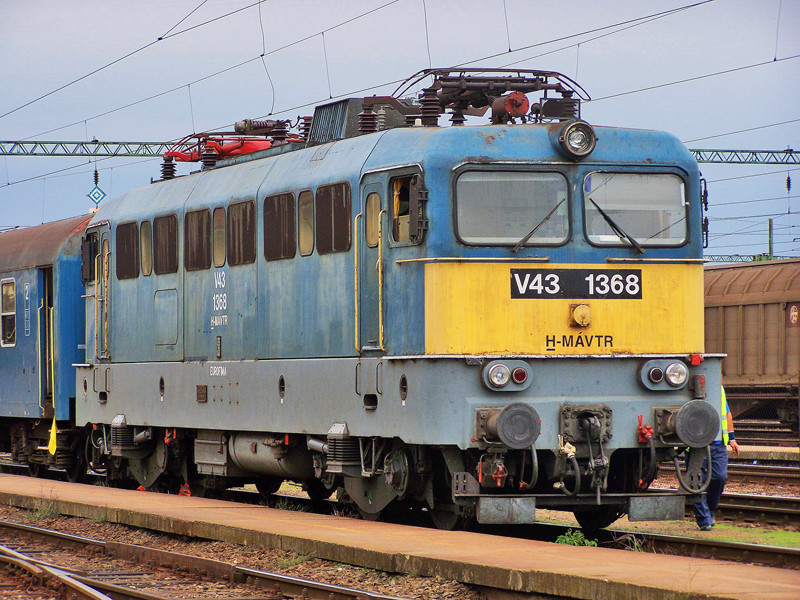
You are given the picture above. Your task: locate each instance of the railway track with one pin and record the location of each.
(83, 568)
(758, 432)
(754, 474)
(754, 508)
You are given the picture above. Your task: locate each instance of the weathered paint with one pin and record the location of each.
(469, 310)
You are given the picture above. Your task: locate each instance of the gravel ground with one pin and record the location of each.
(276, 561)
(360, 578)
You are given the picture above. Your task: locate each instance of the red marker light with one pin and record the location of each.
(519, 375)
(695, 359)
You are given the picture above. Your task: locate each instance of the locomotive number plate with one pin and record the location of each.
(576, 283)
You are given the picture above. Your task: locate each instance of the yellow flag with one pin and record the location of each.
(53, 432)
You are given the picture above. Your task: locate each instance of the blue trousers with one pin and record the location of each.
(705, 509)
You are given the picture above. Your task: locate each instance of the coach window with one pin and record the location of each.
(305, 219)
(512, 208)
(279, 227)
(333, 218)
(630, 209)
(127, 250)
(146, 244)
(219, 237)
(197, 240)
(372, 219)
(8, 313)
(241, 244)
(165, 244)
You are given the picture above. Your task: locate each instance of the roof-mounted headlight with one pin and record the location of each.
(577, 139)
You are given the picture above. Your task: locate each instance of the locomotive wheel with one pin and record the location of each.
(447, 519)
(316, 490)
(444, 513)
(77, 472)
(369, 516)
(37, 470)
(267, 485)
(596, 518)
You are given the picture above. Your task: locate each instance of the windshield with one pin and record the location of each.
(650, 209)
(502, 207)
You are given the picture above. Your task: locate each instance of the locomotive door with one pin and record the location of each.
(102, 295)
(369, 269)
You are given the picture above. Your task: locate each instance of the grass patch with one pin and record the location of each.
(48, 510)
(291, 560)
(574, 538)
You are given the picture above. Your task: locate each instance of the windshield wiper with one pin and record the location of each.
(617, 229)
(524, 240)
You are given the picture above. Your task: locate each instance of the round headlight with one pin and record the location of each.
(676, 374)
(499, 375)
(577, 139)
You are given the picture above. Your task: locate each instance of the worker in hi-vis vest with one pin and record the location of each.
(705, 509)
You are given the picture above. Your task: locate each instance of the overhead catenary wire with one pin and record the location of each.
(128, 55)
(365, 89)
(711, 137)
(697, 78)
(231, 68)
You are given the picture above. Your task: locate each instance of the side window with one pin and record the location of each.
(372, 219)
(8, 313)
(89, 252)
(196, 240)
(165, 246)
(146, 243)
(305, 219)
(127, 250)
(241, 233)
(219, 237)
(333, 218)
(401, 196)
(279, 227)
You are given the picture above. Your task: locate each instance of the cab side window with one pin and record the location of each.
(401, 193)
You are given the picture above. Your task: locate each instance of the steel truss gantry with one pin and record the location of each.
(156, 149)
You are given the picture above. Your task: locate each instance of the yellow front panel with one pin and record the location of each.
(469, 310)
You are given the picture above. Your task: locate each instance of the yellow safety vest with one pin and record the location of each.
(724, 417)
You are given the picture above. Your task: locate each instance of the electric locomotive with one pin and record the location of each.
(473, 321)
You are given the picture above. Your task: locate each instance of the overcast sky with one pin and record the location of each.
(742, 59)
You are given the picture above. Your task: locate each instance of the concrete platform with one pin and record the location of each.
(521, 565)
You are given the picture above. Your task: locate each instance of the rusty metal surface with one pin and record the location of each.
(40, 245)
(752, 313)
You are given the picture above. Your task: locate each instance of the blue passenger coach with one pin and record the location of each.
(475, 321)
(42, 338)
